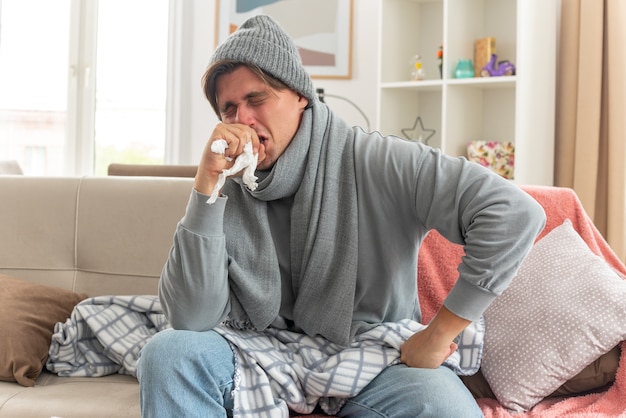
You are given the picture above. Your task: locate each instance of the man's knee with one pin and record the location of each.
(175, 349)
(410, 392)
(182, 371)
(439, 393)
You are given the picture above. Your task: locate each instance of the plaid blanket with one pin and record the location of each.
(280, 370)
(276, 370)
(104, 335)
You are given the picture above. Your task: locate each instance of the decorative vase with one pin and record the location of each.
(464, 69)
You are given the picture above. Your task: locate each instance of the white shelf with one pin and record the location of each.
(485, 83)
(518, 108)
(424, 85)
(434, 85)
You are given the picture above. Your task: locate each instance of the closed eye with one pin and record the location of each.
(257, 98)
(227, 110)
(252, 99)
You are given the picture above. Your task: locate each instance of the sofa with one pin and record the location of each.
(92, 236)
(66, 240)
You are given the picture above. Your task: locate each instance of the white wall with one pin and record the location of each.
(194, 118)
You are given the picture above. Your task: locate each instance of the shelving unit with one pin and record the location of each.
(517, 108)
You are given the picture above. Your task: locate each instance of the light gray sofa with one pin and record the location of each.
(97, 236)
(111, 236)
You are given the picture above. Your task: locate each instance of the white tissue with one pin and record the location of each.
(219, 147)
(247, 160)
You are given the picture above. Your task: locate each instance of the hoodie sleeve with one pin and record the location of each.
(194, 288)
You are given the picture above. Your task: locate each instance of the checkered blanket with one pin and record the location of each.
(104, 335)
(276, 370)
(279, 370)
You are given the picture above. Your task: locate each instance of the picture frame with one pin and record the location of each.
(321, 29)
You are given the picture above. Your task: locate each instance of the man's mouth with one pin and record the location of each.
(262, 139)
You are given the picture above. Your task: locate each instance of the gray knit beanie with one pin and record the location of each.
(261, 41)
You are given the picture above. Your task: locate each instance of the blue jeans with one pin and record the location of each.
(190, 374)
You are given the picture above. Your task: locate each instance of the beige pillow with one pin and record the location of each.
(595, 377)
(564, 309)
(28, 314)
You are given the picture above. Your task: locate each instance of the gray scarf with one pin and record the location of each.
(317, 169)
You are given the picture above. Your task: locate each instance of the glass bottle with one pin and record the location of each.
(464, 69)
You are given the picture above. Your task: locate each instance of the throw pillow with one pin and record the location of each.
(595, 377)
(28, 314)
(564, 309)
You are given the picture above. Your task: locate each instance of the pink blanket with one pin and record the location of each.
(438, 261)
(439, 258)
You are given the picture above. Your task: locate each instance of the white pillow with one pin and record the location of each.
(564, 309)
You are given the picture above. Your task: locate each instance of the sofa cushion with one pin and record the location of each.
(28, 314)
(564, 309)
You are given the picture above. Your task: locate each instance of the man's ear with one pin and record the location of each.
(303, 101)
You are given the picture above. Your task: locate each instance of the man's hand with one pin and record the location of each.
(212, 164)
(430, 347)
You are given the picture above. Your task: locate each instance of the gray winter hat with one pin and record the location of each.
(261, 41)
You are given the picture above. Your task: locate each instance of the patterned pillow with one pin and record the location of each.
(28, 314)
(565, 308)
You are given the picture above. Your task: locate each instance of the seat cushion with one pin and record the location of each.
(72, 397)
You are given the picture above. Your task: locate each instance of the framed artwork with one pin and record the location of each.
(321, 29)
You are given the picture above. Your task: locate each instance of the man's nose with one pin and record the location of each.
(244, 115)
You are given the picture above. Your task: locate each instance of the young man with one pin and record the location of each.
(301, 294)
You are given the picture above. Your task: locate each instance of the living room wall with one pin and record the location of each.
(194, 118)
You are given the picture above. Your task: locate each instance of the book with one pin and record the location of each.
(483, 49)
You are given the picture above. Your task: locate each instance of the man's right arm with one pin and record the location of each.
(194, 288)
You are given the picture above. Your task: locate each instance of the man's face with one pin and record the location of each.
(275, 115)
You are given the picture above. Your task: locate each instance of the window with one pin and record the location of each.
(131, 82)
(34, 48)
(82, 84)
